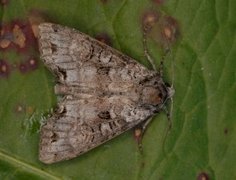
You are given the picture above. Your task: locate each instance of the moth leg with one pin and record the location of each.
(139, 132)
(141, 128)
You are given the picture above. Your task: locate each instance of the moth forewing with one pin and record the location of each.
(105, 93)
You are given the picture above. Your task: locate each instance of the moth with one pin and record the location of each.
(104, 93)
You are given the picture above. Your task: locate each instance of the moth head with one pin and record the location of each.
(155, 93)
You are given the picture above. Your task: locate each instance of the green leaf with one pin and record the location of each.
(202, 138)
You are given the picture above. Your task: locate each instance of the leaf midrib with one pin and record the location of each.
(17, 162)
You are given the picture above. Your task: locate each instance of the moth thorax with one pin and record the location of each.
(153, 96)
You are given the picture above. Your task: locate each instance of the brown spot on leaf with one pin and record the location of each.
(19, 108)
(170, 29)
(162, 28)
(5, 37)
(226, 131)
(4, 68)
(4, 43)
(203, 176)
(29, 65)
(32, 63)
(30, 40)
(149, 19)
(23, 67)
(165, 31)
(19, 36)
(138, 135)
(4, 2)
(103, 37)
(137, 132)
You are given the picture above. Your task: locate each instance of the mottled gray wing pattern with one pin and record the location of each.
(103, 93)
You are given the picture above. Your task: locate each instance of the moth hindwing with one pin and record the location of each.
(105, 93)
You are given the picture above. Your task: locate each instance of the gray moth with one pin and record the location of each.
(105, 93)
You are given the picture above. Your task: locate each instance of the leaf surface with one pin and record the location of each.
(202, 138)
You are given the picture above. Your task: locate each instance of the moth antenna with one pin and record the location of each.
(148, 56)
(161, 66)
(172, 66)
(146, 52)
